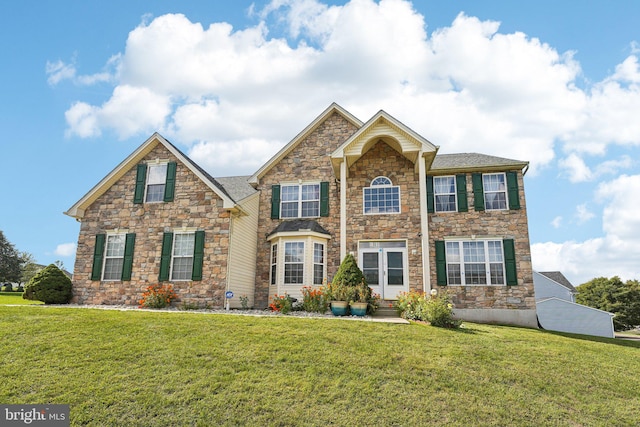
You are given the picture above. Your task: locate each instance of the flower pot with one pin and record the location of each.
(339, 308)
(359, 308)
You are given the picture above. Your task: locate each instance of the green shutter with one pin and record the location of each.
(198, 255)
(461, 189)
(127, 265)
(510, 261)
(170, 184)
(165, 257)
(478, 192)
(98, 254)
(430, 195)
(141, 181)
(275, 201)
(324, 198)
(441, 263)
(512, 188)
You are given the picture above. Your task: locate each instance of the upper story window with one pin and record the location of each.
(444, 188)
(306, 200)
(382, 197)
(155, 182)
(494, 186)
(300, 201)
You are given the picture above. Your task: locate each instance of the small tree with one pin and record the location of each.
(349, 274)
(10, 262)
(50, 286)
(614, 296)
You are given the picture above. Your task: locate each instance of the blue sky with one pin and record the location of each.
(84, 83)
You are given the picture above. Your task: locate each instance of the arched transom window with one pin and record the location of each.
(382, 197)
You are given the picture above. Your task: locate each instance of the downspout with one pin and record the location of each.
(228, 284)
(343, 208)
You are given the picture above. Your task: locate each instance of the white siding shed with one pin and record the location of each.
(555, 314)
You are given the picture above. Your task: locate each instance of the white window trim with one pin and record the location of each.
(487, 262)
(106, 250)
(280, 287)
(505, 191)
(273, 272)
(173, 257)
(323, 263)
(299, 200)
(455, 194)
(148, 174)
(364, 191)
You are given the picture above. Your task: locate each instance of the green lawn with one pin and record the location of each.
(183, 369)
(15, 298)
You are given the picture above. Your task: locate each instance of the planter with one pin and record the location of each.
(339, 308)
(359, 308)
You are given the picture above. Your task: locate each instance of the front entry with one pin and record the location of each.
(384, 265)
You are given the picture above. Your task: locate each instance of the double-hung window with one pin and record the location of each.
(182, 256)
(476, 262)
(113, 257)
(318, 263)
(382, 197)
(444, 188)
(155, 182)
(274, 263)
(495, 191)
(293, 263)
(300, 201)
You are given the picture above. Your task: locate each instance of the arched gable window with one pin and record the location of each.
(382, 197)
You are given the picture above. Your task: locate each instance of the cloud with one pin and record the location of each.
(582, 214)
(615, 253)
(557, 222)
(58, 71)
(575, 168)
(65, 249)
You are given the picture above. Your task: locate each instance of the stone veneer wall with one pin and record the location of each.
(383, 160)
(195, 206)
(309, 161)
(506, 224)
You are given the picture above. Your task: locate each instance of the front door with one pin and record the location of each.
(384, 264)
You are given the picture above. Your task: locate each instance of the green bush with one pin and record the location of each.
(50, 285)
(8, 287)
(349, 274)
(435, 309)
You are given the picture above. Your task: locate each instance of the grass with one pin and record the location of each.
(15, 298)
(174, 369)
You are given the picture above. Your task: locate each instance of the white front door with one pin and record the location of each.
(384, 265)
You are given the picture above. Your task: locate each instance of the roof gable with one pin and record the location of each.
(383, 126)
(558, 277)
(78, 209)
(333, 108)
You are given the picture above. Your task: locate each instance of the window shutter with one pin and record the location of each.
(275, 201)
(165, 257)
(170, 184)
(98, 254)
(127, 265)
(141, 181)
(478, 192)
(510, 261)
(324, 198)
(198, 255)
(461, 189)
(430, 195)
(512, 188)
(441, 263)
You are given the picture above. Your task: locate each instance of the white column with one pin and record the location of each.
(424, 223)
(343, 209)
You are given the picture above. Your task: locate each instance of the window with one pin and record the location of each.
(444, 188)
(293, 263)
(274, 263)
(381, 197)
(476, 262)
(182, 256)
(155, 182)
(300, 201)
(318, 263)
(495, 191)
(114, 257)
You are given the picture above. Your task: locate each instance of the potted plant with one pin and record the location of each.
(339, 295)
(347, 279)
(360, 301)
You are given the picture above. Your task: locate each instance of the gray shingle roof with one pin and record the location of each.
(558, 277)
(456, 161)
(237, 187)
(299, 225)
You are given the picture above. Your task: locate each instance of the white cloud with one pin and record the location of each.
(616, 253)
(576, 168)
(65, 249)
(582, 214)
(58, 71)
(557, 222)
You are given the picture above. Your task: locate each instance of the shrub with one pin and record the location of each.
(435, 309)
(314, 300)
(244, 302)
(8, 287)
(157, 296)
(282, 303)
(50, 285)
(349, 274)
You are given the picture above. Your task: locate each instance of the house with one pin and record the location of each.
(558, 311)
(414, 219)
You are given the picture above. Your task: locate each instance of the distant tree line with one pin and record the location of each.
(615, 296)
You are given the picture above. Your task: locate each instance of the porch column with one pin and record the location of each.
(343, 209)
(424, 223)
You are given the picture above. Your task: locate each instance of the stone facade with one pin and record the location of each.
(195, 206)
(308, 161)
(510, 224)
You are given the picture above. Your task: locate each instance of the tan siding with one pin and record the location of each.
(242, 253)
